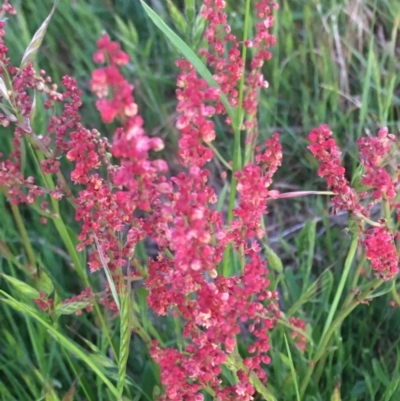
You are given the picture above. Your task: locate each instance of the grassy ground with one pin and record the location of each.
(335, 62)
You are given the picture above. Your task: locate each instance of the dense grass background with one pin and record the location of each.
(335, 62)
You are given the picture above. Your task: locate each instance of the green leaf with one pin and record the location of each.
(391, 389)
(33, 47)
(188, 53)
(379, 373)
(33, 108)
(22, 287)
(222, 197)
(149, 381)
(108, 274)
(284, 358)
(292, 369)
(198, 29)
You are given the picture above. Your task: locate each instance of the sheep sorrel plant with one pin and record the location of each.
(213, 314)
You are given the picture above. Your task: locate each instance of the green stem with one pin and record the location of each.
(357, 273)
(24, 237)
(237, 126)
(395, 296)
(219, 156)
(334, 326)
(178, 333)
(58, 221)
(343, 279)
(368, 220)
(387, 211)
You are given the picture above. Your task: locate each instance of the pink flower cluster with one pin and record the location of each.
(121, 205)
(17, 96)
(44, 303)
(106, 206)
(326, 151)
(214, 309)
(103, 79)
(230, 70)
(195, 113)
(378, 240)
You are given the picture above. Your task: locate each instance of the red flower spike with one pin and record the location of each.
(325, 150)
(372, 153)
(378, 241)
(381, 251)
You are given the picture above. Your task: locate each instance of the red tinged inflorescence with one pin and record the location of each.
(195, 108)
(120, 205)
(106, 207)
(109, 79)
(214, 309)
(381, 251)
(44, 303)
(372, 154)
(324, 148)
(379, 240)
(252, 186)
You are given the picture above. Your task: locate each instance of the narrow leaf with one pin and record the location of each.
(128, 30)
(292, 369)
(108, 274)
(33, 109)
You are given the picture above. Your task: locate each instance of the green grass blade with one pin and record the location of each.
(64, 341)
(294, 377)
